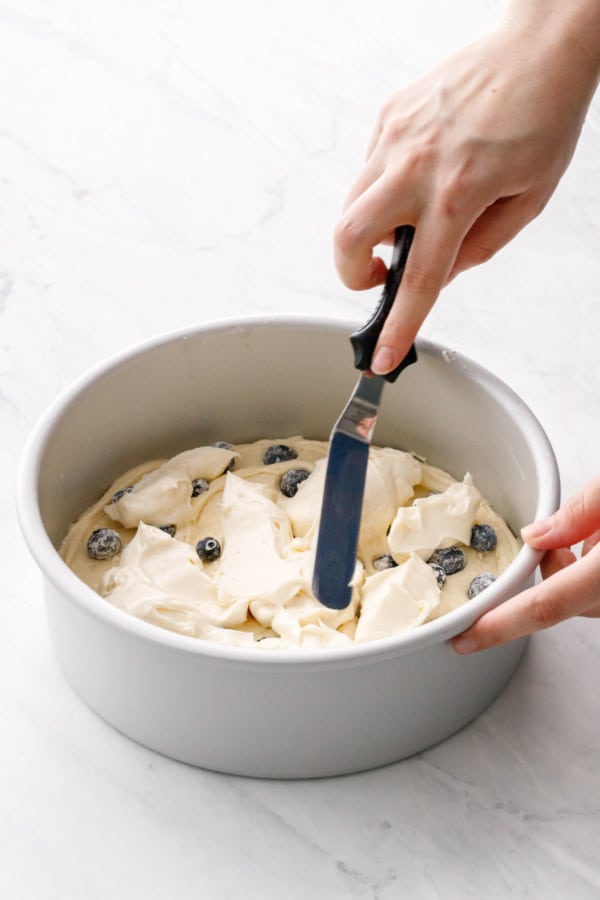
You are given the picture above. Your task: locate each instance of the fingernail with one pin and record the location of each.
(377, 271)
(537, 529)
(464, 645)
(382, 362)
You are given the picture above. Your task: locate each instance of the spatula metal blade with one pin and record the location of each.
(339, 527)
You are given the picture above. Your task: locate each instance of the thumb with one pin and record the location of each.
(576, 520)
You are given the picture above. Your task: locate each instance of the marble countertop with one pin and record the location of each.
(168, 162)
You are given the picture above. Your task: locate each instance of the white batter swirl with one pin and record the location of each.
(257, 592)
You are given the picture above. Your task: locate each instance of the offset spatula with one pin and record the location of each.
(349, 449)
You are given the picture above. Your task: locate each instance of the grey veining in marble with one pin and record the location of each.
(168, 162)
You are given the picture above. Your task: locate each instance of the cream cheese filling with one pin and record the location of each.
(258, 591)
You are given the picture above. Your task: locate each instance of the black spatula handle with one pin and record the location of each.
(365, 339)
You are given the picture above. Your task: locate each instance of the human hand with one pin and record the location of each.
(571, 586)
(468, 154)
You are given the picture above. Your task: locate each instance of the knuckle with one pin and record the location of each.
(394, 128)
(419, 154)
(353, 256)
(347, 235)
(422, 157)
(531, 203)
(576, 508)
(538, 206)
(386, 113)
(392, 108)
(459, 182)
(488, 632)
(575, 511)
(581, 512)
(481, 253)
(419, 280)
(492, 638)
(454, 190)
(546, 611)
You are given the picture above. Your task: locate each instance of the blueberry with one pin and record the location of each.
(480, 583)
(381, 563)
(278, 453)
(208, 549)
(168, 529)
(199, 486)
(439, 574)
(450, 559)
(483, 538)
(120, 493)
(225, 445)
(103, 543)
(290, 481)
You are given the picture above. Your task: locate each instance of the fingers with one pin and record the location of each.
(371, 218)
(571, 587)
(576, 520)
(455, 228)
(369, 175)
(495, 228)
(555, 560)
(590, 542)
(433, 251)
(369, 221)
(571, 591)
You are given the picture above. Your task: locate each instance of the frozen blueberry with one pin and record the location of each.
(225, 445)
(450, 559)
(121, 493)
(278, 453)
(168, 529)
(480, 583)
(208, 549)
(103, 543)
(483, 538)
(439, 574)
(290, 481)
(384, 562)
(199, 486)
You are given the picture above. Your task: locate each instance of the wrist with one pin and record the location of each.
(560, 36)
(567, 26)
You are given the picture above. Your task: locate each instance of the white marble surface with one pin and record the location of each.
(171, 161)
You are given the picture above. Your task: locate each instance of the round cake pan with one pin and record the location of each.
(269, 713)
